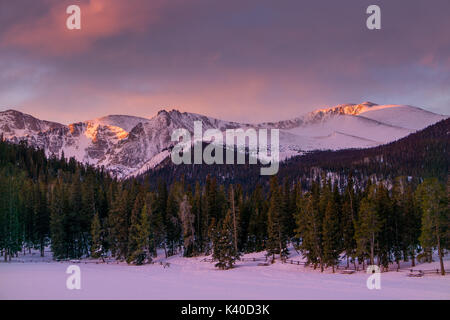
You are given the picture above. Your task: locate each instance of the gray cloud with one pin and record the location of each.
(227, 58)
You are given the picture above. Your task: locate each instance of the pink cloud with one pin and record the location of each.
(99, 19)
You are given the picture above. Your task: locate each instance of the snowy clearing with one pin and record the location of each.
(32, 277)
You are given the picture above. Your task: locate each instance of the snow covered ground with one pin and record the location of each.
(32, 277)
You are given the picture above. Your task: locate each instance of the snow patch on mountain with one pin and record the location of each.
(408, 117)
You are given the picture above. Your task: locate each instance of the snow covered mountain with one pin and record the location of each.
(128, 145)
(15, 124)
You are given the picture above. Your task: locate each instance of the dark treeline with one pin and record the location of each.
(43, 199)
(81, 212)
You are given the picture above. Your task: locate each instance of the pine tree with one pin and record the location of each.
(348, 221)
(387, 223)
(157, 226)
(199, 218)
(399, 220)
(172, 221)
(28, 221)
(224, 248)
(96, 238)
(159, 215)
(309, 231)
(41, 216)
(411, 217)
(89, 204)
(3, 217)
(331, 235)
(433, 202)
(9, 217)
(288, 209)
(368, 227)
(257, 227)
(118, 226)
(78, 230)
(235, 216)
(277, 238)
(139, 238)
(187, 220)
(58, 230)
(144, 232)
(213, 205)
(133, 236)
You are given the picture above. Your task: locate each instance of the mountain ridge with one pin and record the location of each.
(126, 145)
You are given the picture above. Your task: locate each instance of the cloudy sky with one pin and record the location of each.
(245, 60)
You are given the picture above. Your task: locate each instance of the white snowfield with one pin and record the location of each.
(32, 277)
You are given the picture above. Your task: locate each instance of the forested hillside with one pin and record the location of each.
(423, 154)
(392, 205)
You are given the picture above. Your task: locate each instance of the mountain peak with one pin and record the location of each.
(12, 111)
(345, 109)
(369, 104)
(17, 124)
(165, 112)
(126, 122)
(125, 144)
(162, 112)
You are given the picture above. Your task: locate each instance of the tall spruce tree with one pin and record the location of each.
(41, 216)
(433, 202)
(139, 237)
(187, 219)
(348, 221)
(309, 231)
(367, 227)
(331, 239)
(97, 249)
(118, 225)
(172, 220)
(224, 248)
(133, 237)
(277, 238)
(58, 221)
(235, 216)
(387, 220)
(411, 218)
(257, 227)
(199, 218)
(157, 226)
(9, 217)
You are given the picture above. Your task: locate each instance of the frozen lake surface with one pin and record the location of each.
(32, 277)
